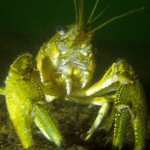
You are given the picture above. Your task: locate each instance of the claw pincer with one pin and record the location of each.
(22, 95)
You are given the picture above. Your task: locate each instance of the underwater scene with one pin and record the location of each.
(74, 75)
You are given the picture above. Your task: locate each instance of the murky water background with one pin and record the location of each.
(26, 25)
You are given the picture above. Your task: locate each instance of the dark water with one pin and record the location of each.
(26, 25)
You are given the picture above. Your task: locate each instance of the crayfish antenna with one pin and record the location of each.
(79, 13)
(92, 13)
(114, 18)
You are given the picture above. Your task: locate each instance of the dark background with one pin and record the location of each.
(26, 25)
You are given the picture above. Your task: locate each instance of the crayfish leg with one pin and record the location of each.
(101, 114)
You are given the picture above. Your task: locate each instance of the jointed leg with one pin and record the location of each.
(101, 114)
(104, 102)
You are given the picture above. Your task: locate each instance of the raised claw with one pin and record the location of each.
(19, 91)
(130, 95)
(22, 96)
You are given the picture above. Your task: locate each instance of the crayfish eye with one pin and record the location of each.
(59, 29)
